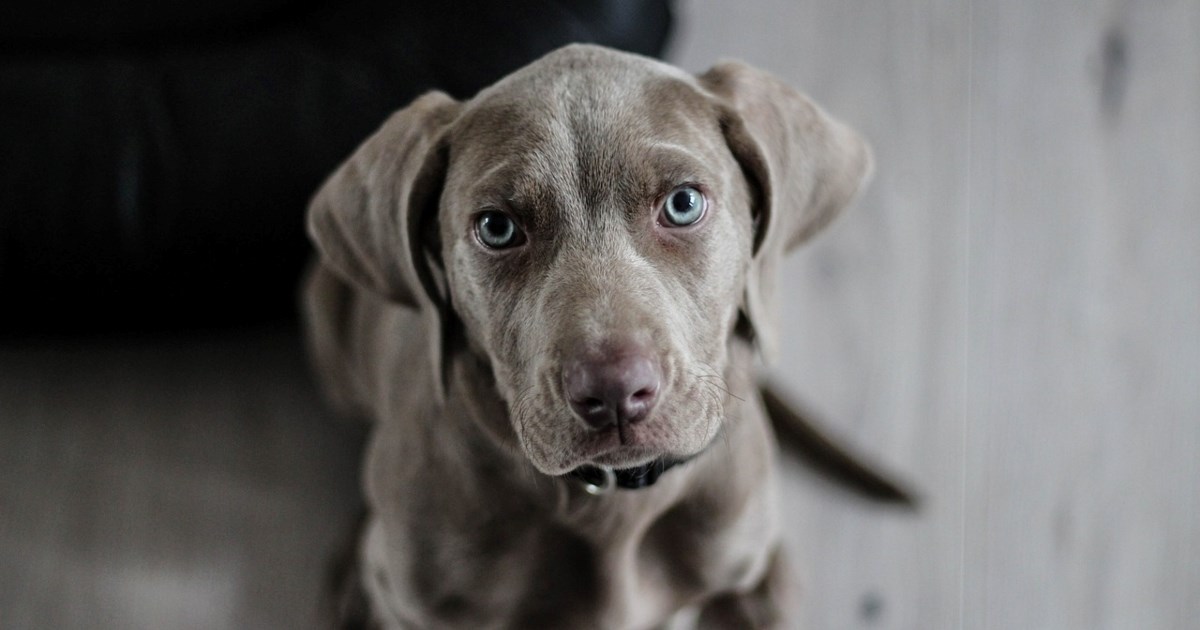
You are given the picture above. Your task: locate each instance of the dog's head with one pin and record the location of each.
(599, 225)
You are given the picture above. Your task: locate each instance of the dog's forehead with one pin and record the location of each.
(583, 113)
(581, 74)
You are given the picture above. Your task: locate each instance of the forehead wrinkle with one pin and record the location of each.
(688, 153)
(672, 164)
(546, 183)
(489, 182)
(615, 167)
(627, 171)
(528, 174)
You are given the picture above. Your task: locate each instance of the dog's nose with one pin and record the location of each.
(616, 390)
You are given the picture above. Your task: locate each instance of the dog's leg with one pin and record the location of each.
(346, 606)
(769, 604)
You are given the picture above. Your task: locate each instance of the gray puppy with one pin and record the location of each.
(549, 298)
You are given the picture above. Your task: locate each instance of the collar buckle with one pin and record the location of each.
(602, 486)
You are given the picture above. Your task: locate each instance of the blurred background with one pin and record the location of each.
(1009, 318)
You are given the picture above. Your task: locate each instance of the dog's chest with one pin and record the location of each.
(598, 569)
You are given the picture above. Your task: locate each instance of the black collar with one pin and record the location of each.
(597, 480)
(600, 480)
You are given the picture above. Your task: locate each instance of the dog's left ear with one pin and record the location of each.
(804, 168)
(374, 220)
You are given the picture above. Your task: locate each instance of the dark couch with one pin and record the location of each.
(157, 157)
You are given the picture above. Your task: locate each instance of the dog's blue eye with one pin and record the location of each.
(684, 206)
(497, 230)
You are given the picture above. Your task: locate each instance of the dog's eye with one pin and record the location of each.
(497, 230)
(684, 206)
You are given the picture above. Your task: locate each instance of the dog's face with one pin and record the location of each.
(596, 232)
(597, 222)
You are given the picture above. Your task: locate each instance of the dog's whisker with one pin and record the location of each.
(709, 378)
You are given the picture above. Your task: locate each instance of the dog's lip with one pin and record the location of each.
(605, 448)
(625, 457)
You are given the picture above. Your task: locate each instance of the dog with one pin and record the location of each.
(551, 300)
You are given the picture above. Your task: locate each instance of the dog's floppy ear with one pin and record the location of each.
(371, 220)
(804, 168)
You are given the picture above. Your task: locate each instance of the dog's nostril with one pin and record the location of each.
(644, 394)
(592, 405)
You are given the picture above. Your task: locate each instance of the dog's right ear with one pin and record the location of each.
(804, 166)
(367, 219)
(371, 220)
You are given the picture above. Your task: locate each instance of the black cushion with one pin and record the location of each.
(157, 160)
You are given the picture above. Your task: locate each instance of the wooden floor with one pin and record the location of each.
(168, 483)
(1010, 317)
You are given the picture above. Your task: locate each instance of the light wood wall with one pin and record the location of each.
(1011, 314)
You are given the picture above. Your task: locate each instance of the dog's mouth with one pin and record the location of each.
(601, 479)
(621, 447)
(628, 468)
